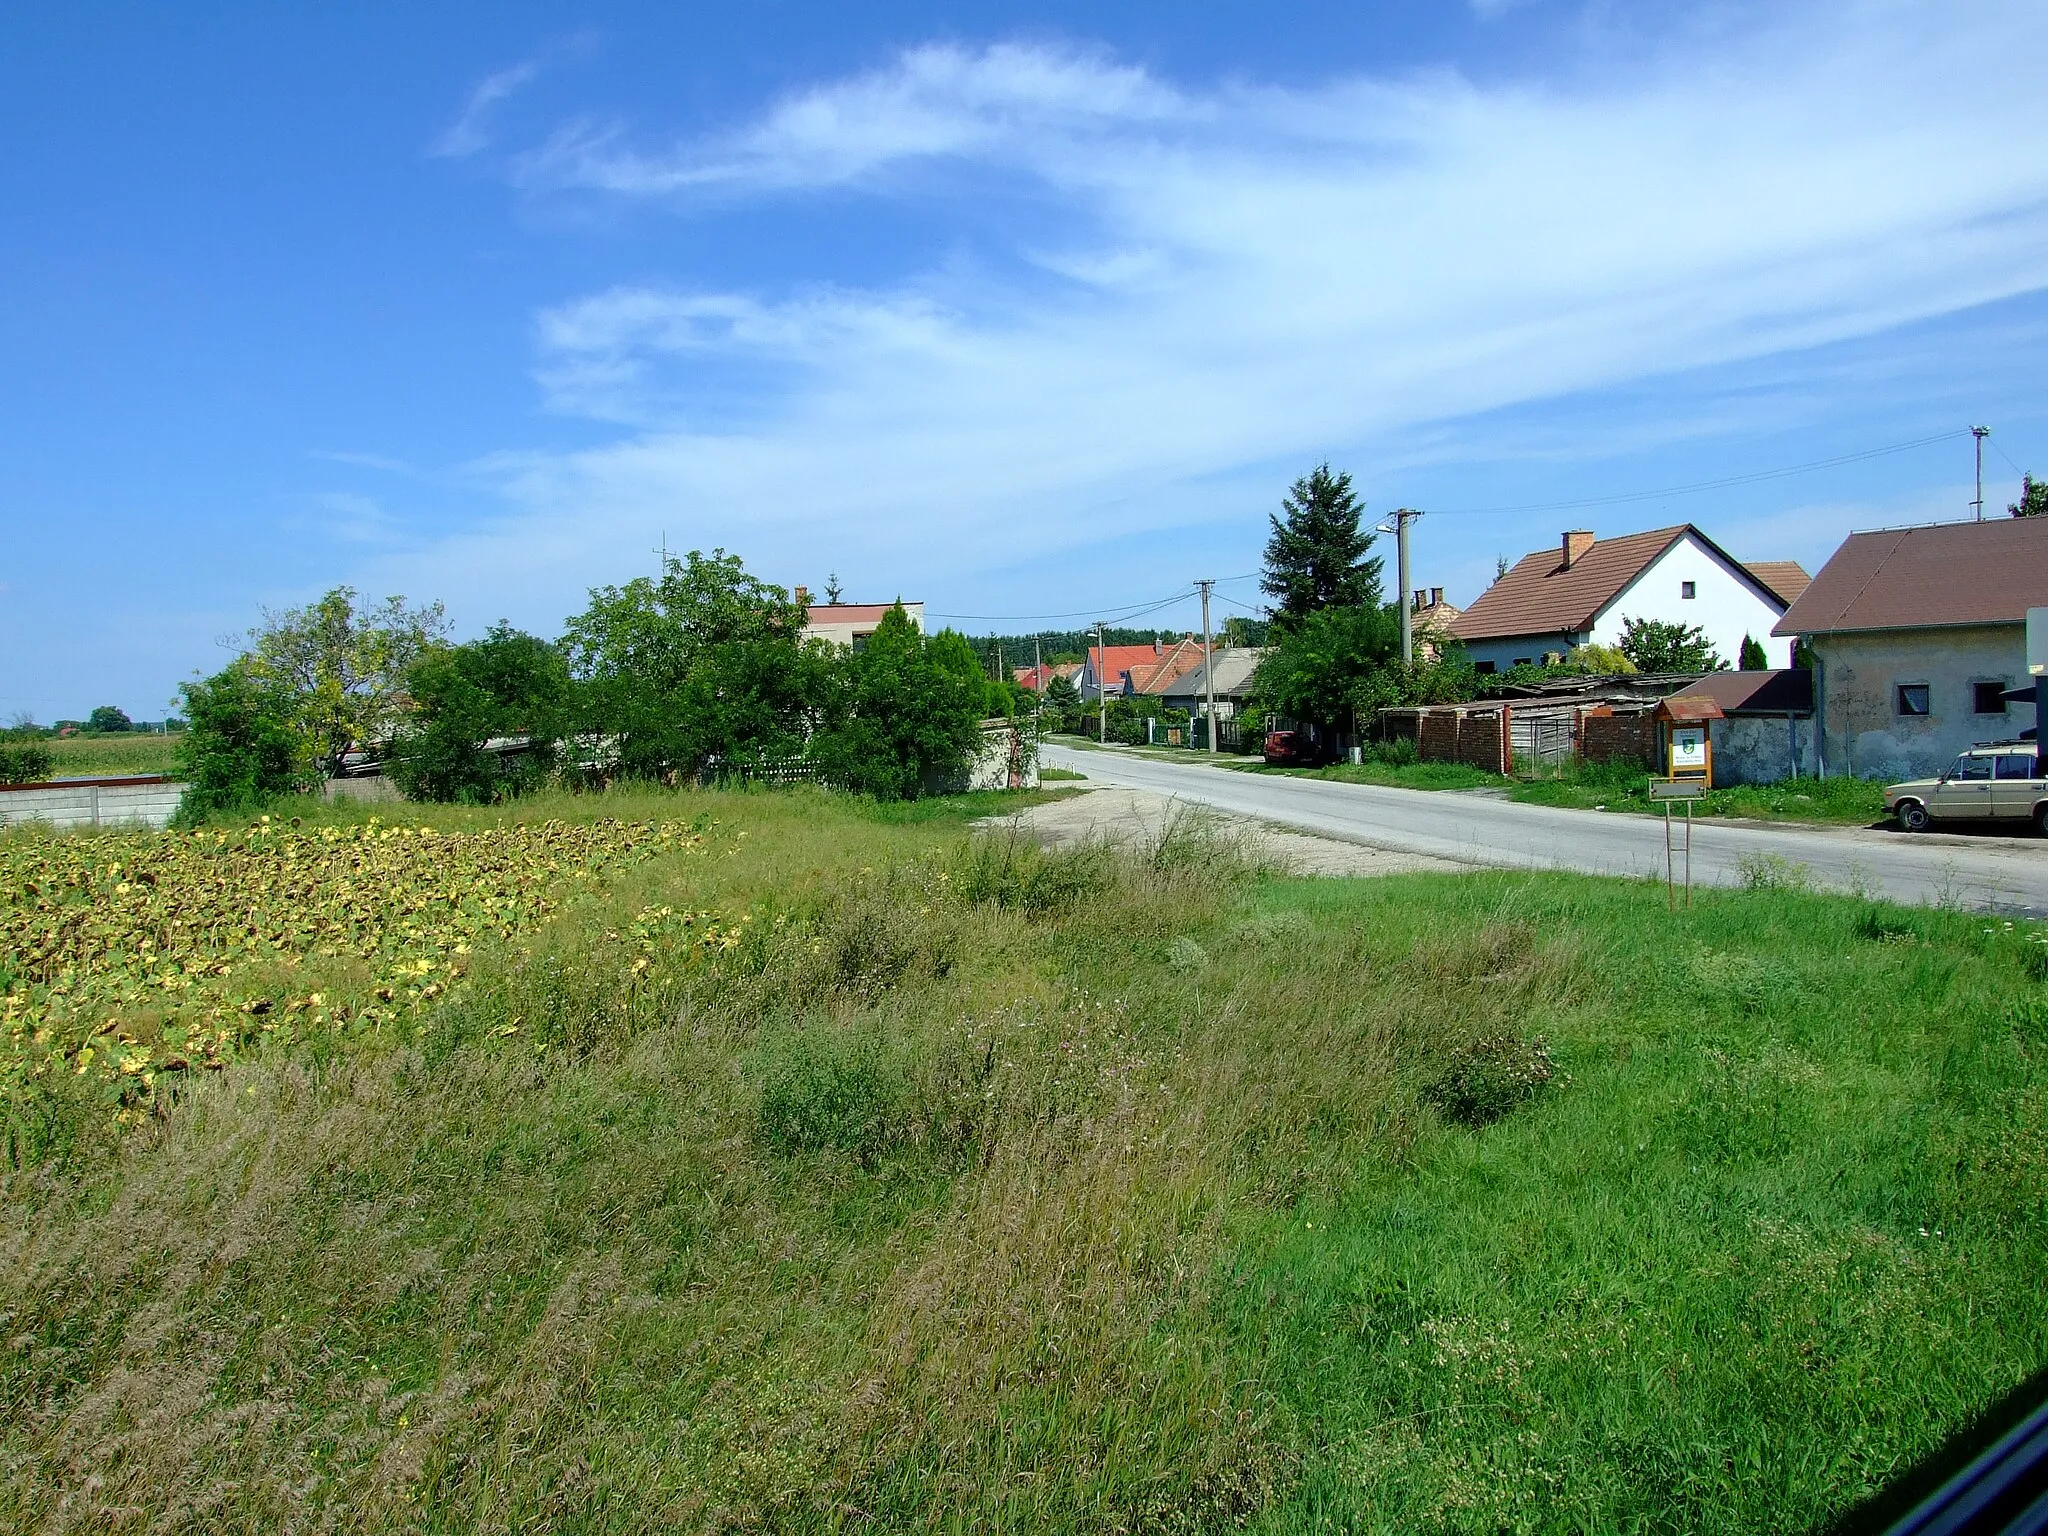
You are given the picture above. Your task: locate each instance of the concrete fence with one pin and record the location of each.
(148, 801)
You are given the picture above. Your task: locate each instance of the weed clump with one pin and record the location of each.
(1490, 1077)
(822, 1090)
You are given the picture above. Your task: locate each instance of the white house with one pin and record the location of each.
(1581, 591)
(1917, 635)
(850, 624)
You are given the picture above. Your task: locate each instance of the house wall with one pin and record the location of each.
(823, 626)
(1505, 653)
(1724, 604)
(1857, 682)
(1761, 749)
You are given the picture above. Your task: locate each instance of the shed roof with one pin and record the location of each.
(1778, 691)
(1926, 578)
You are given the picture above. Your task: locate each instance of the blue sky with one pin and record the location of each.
(1026, 311)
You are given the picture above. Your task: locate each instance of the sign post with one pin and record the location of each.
(1669, 790)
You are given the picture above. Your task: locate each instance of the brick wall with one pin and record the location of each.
(1483, 739)
(1630, 736)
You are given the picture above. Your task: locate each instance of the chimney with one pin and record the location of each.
(1436, 597)
(1576, 543)
(803, 594)
(1156, 648)
(1416, 601)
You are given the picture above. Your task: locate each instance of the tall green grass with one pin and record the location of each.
(121, 754)
(982, 1187)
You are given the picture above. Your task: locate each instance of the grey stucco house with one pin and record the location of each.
(1917, 633)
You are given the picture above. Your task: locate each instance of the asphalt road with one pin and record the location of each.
(1994, 871)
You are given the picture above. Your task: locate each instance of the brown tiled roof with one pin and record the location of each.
(852, 613)
(1113, 661)
(1540, 597)
(1921, 578)
(1181, 658)
(1787, 578)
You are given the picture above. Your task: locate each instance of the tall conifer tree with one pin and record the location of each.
(1316, 557)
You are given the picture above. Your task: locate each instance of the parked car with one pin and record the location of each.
(1294, 749)
(1999, 782)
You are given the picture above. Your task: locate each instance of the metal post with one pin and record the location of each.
(1670, 875)
(1208, 665)
(1688, 855)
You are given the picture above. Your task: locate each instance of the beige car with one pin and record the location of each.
(1995, 783)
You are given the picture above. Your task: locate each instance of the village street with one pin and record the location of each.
(1997, 872)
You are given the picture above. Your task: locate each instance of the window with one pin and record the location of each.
(1688, 589)
(1971, 766)
(2018, 765)
(1483, 668)
(860, 642)
(1520, 661)
(1987, 698)
(1913, 699)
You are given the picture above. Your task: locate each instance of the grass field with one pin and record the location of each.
(1395, 775)
(120, 754)
(1840, 801)
(956, 1186)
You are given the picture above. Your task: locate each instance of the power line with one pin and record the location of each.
(1138, 611)
(1711, 485)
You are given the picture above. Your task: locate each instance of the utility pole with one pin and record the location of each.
(1980, 433)
(1102, 684)
(1399, 529)
(1038, 688)
(1208, 666)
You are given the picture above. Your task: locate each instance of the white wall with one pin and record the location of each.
(1724, 605)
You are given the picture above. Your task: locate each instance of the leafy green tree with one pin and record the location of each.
(1598, 661)
(1656, 645)
(906, 709)
(109, 718)
(2033, 500)
(1322, 668)
(343, 665)
(704, 670)
(506, 684)
(1753, 657)
(1239, 630)
(243, 746)
(1316, 557)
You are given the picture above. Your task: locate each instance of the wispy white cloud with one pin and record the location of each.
(470, 132)
(1231, 280)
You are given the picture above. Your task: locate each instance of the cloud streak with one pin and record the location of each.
(469, 133)
(1218, 281)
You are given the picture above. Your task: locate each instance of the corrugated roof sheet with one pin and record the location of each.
(1539, 596)
(1923, 578)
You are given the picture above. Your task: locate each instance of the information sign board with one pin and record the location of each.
(1678, 789)
(1688, 748)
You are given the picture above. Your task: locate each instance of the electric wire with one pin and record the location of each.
(1707, 485)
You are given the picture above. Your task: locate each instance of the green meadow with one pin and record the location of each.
(964, 1186)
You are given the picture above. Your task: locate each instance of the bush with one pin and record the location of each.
(1010, 870)
(1489, 1077)
(241, 749)
(23, 759)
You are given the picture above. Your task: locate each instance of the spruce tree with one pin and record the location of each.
(1316, 557)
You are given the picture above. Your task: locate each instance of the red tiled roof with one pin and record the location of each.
(1180, 658)
(1541, 596)
(1111, 662)
(1923, 578)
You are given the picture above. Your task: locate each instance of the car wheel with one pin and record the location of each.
(2041, 818)
(1913, 816)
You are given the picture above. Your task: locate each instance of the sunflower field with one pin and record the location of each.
(128, 961)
